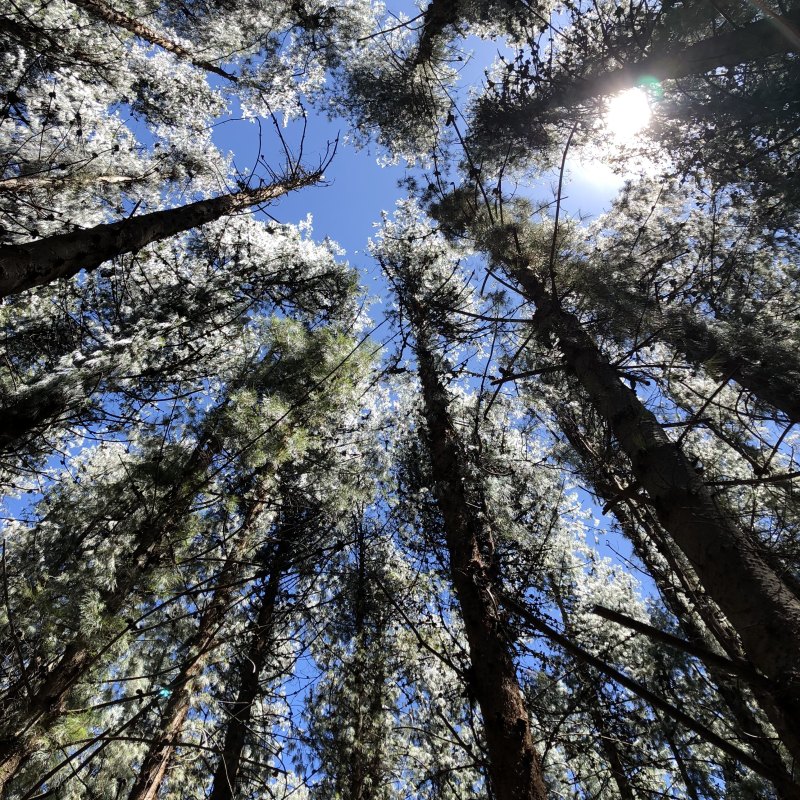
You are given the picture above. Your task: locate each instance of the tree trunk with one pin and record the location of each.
(759, 40)
(760, 367)
(40, 710)
(36, 263)
(762, 609)
(687, 604)
(228, 769)
(101, 10)
(363, 775)
(200, 646)
(766, 368)
(515, 771)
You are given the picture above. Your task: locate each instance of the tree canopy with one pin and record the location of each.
(519, 521)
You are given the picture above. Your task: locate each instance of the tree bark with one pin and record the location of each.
(767, 37)
(229, 766)
(102, 11)
(764, 370)
(36, 263)
(687, 604)
(762, 609)
(201, 645)
(514, 768)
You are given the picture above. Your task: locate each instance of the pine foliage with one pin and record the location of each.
(526, 528)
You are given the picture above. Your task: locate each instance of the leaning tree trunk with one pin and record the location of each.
(754, 42)
(37, 712)
(762, 609)
(200, 647)
(24, 266)
(514, 767)
(229, 767)
(647, 539)
(103, 11)
(711, 632)
(766, 368)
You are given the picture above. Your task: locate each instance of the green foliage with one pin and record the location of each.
(228, 535)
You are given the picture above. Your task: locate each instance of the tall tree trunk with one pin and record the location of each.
(715, 631)
(766, 368)
(515, 770)
(24, 266)
(687, 603)
(38, 711)
(229, 766)
(776, 35)
(437, 17)
(762, 609)
(364, 775)
(199, 648)
(103, 11)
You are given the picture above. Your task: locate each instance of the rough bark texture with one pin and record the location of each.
(759, 40)
(514, 767)
(762, 609)
(228, 769)
(36, 263)
(110, 15)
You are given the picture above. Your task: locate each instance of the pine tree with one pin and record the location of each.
(242, 559)
(514, 766)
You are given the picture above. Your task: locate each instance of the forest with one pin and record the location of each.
(501, 505)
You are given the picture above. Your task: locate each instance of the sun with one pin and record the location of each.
(628, 113)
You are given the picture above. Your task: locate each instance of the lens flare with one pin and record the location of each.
(628, 113)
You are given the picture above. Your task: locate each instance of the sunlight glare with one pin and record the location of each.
(628, 113)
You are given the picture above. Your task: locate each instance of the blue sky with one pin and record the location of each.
(347, 209)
